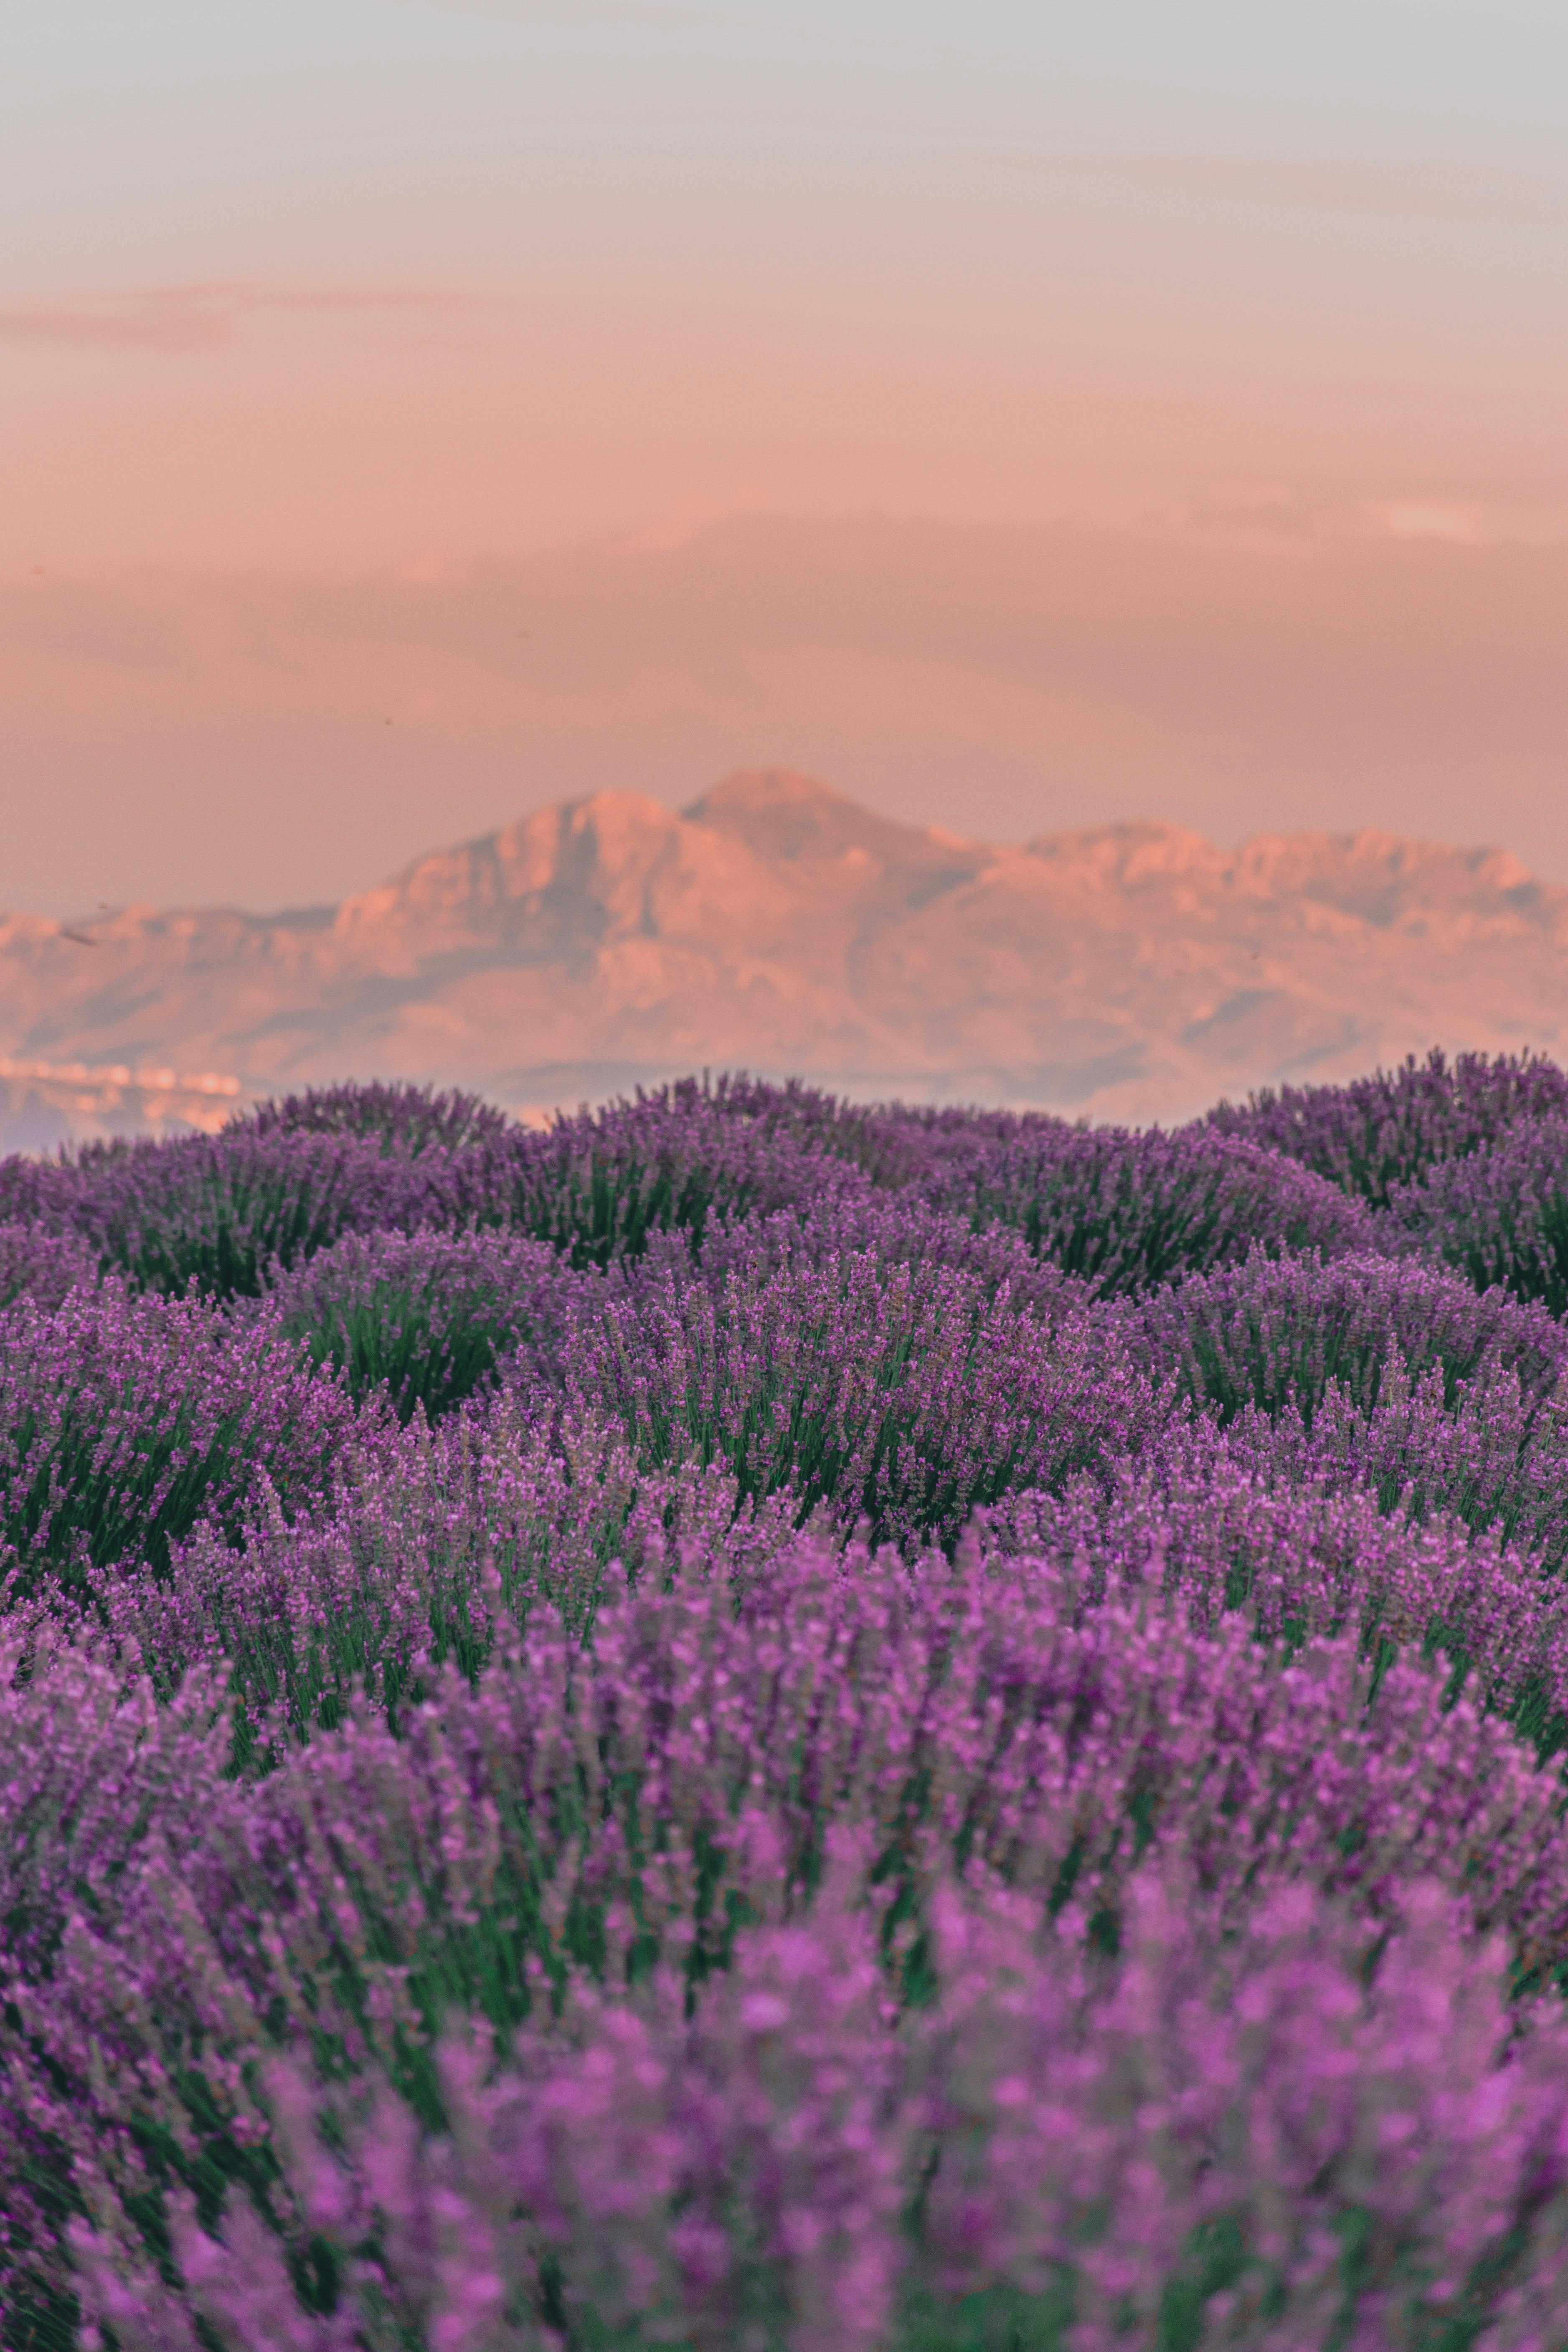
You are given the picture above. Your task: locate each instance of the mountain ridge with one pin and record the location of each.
(1133, 970)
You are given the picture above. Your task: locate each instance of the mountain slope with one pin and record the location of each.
(1132, 972)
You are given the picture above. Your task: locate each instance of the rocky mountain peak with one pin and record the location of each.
(788, 818)
(1131, 971)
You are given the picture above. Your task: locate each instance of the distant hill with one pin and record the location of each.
(1132, 972)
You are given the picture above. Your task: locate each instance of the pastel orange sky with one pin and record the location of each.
(1024, 415)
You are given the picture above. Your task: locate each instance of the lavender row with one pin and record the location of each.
(1275, 2138)
(229, 1212)
(770, 1733)
(899, 1384)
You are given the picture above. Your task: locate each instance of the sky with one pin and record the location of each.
(1021, 415)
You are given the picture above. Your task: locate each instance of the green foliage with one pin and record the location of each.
(404, 1338)
(80, 1509)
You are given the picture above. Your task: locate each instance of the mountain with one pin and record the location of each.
(1131, 973)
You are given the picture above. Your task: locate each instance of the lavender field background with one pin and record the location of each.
(751, 1721)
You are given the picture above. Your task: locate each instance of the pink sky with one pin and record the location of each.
(1023, 421)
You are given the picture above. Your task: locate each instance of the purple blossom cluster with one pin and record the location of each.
(757, 1722)
(946, 1798)
(1272, 1332)
(1390, 1378)
(898, 1396)
(219, 1212)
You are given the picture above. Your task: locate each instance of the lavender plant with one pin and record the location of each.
(779, 1799)
(894, 1226)
(902, 1395)
(219, 1211)
(879, 1138)
(1269, 2135)
(42, 1265)
(1201, 1517)
(39, 1193)
(437, 1545)
(1276, 1331)
(400, 1118)
(427, 1317)
(1394, 1380)
(1500, 1215)
(1129, 1211)
(1497, 1461)
(1389, 1131)
(123, 1420)
(598, 1187)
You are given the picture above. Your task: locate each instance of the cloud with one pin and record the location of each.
(571, 12)
(1542, 521)
(177, 320)
(185, 319)
(1389, 191)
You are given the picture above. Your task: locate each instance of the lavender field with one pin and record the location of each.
(767, 1725)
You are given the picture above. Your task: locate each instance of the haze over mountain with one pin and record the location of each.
(1134, 972)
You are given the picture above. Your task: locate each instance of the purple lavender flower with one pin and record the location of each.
(570, 1887)
(1393, 1380)
(39, 1193)
(1070, 2137)
(434, 1545)
(586, 1813)
(897, 1227)
(1274, 1331)
(903, 1393)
